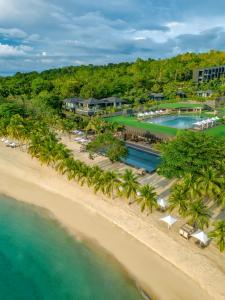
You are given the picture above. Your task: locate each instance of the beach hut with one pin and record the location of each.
(169, 220)
(202, 237)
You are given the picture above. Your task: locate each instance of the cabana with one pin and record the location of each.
(169, 220)
(202, 237)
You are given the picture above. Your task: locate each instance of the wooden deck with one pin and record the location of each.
(160, 183)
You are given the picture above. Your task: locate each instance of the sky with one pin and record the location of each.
(44, 34)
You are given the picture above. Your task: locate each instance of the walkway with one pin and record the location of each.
(160, 183)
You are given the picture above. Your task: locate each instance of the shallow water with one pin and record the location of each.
(40, 260)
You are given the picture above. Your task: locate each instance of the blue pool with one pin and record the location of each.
(142, 159)
(178, 121)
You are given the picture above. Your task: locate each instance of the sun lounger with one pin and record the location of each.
(78, 139)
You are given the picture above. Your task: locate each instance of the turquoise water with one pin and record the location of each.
(142, 159)
(178, 121)
(40, 260)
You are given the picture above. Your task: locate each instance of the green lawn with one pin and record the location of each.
(217, 131)
(153, 128)
(159, 129)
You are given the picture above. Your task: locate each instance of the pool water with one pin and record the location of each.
(177, 121)
(142, 159)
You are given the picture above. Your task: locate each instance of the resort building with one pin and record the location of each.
(181, 94)
(91, 106)
(157, 96)
(206, 74)
(204, 94)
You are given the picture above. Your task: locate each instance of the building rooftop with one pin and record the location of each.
(94, 101)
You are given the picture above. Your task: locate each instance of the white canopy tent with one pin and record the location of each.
(163, 203)
(201, 236)
(169, 220)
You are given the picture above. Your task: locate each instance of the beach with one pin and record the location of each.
(165, 265)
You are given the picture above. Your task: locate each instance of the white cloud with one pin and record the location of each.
(7, 50)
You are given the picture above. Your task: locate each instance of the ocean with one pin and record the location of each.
(39, 259)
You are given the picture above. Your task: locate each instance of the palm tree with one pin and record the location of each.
(147, 198)
(96, 124)
(129, 185)
(17, 128)
(178, 200)
(189, 186)
(199, 214)
(220, 199)
(62, 152)
(99, 183)
(209, 183)
(93, 174)
(219, 234)
(48, 153)
(64, 166)
(110, 182)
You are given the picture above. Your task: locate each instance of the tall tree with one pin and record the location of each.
(218, 233)
(147, 197)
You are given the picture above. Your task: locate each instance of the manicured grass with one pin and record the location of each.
(217, 131)
(153, 128)
(180, 105)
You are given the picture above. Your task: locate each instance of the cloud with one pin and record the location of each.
(8, 51)
(53, 33)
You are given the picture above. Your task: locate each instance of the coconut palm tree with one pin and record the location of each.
(219, 234)
(96, 125)
(81, 172)
(110, 183)
(189, 186)
(129, 185)
(63, 166)
(48, 152)
(62, 152)
(220, 199)
(178, 200)
(93, 174)
(147, 198)
(71, 168)
(209, 183)
(99, 183)
(199, 214)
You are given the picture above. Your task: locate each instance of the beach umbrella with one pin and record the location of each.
(201, 236)
(162, 203)
(169, 220)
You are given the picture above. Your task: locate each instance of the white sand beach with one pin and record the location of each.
(166, 266)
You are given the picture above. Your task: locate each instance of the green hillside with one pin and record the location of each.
(130, 81)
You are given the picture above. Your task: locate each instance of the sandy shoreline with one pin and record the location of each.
(163, 265)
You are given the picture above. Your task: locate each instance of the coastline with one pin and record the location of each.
(162, 266)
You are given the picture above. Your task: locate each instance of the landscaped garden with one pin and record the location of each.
(153, 128)
(158, 129)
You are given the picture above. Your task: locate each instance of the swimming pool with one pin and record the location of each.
(177, 121)
(142, 159)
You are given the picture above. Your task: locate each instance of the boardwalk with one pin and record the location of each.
(161, 184)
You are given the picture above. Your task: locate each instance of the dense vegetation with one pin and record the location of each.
(132, 81)
(198, 161)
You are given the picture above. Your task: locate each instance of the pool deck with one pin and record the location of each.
(160, 183)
